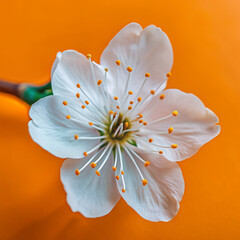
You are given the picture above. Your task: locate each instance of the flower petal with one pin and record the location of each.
(51, 129)
(87, 193)
(159, 199)
(71, 68)
(146, 51)
(194, 125)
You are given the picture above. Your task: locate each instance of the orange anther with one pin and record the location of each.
(169, 74)
(85, 154)
(83, 106)
(123, 190)
(77, 172)
(147, 163)
(97, 172)
(129, 69)
(147, 75)
(110, 112)
(140, 115)
(160, 152)
(106, 69)
(68, 116)
(93, 164)
(90, 123)
(175, 113)
(150, 140)
(114, 169)
(118, 62)
(87, 102)
(131, 102)
(78, 85)
(152, 92)
(122, 172)
(99, 82)
(170, 130)
(145, 123)
(161, 97)
(174, 146)
(65, 103)
(130, 108)
(140, 121)
(117, 107)
(139, 99)
(117, 177)
(76, 137)
(116, 98)
(130, 92)
(78, 95)
(144, 181)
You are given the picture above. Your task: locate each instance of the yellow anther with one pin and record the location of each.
(129, 69)
(161, 97)
(110, 112)
(140, 115)
(97, 172)
(145, 123)
(114, 169)
(116, 98)
(130, 108)
(78, 85)
(160, 152)
(131, 102)
(87, 102)
(140, 121)
(78, 95)
(169, 74)
(106, 69)
(130, 92)
(150, 140)
(117, 177)
(125, 126)
(90, 123)
(147, 74)
(139, 99)
(68, 116)
(144, 181)
(147, 163)
(85, 154)
(65, 103)
(174, 146)
(83, 106)
(77, 172)
(170, 130)
(175, 113)
(118, 62)
(89, 56)
(152, 92)
(117, 107)
(93, 164)
(76, 137)
(122, 172)
(123, 190)
(99, 82)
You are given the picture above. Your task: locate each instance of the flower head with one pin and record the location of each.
(120, 130)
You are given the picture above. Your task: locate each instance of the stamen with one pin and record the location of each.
(99, 82)
(65, 103)
(104, 151)
(114, 120)
(140, 121)
(144, 181)
(116, 98)
(97, 172)
(114, 169)
(85, 154)
(77, 172)
(122, 172)
(129, 69)
(78, 85)
(175, 113)
(161, 97)
(95, 148)
(152, 92)
(140, 115)
(121, 167)
(117, 107)
(139, 99)
(170, 130)
(125, 125)
(78, 95)
(117, 177)
(110, 112)
(93, 164)
(131, 102)
(68, 116)
(83, 106)
(130, 92)
(89, 56)
(87, 102)
(147, 163)
(160, 152)
(145, 123)
(130, 108)
(150, 140)
(76, 137)
(118, 128)
(147, 75)
(118, 62)
(174, 146)
(169, 74)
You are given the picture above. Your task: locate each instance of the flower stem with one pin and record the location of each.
(26, 92)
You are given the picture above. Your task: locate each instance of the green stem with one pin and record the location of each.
(26, 92)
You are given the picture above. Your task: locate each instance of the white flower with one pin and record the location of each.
(121, 132)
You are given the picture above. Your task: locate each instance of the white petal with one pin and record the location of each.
(146, 51)
(159, 199)
(87, 193)
(55, 133)
(194, 126)
(72, 68)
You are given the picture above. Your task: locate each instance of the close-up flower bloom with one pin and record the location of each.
(120, 131)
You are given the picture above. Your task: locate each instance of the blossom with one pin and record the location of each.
(120, 131)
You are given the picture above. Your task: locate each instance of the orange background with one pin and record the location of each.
(206, 41)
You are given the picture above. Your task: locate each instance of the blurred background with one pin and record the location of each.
(206, 41)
